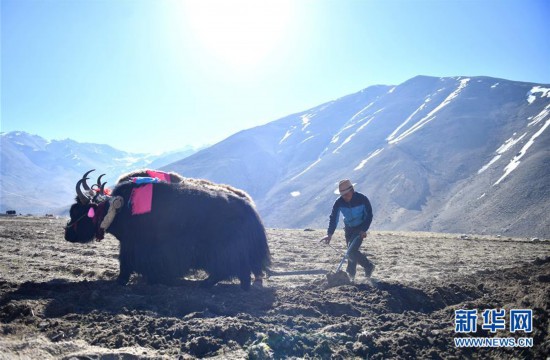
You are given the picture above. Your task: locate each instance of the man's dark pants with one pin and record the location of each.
(355, 256)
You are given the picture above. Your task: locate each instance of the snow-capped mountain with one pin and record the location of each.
(38, 176)
(460, 154)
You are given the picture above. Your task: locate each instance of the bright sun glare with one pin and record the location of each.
(241, 33)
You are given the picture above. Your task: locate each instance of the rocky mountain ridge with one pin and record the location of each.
(457, 154)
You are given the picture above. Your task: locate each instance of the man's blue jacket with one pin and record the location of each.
(357, 213)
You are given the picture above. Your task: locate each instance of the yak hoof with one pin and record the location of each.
(122, 280)
(245, 283)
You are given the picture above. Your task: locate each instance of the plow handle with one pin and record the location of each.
(346, 256)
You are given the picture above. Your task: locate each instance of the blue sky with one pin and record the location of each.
(157, 75)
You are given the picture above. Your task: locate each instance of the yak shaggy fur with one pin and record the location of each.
(176, 178)
(191, 227)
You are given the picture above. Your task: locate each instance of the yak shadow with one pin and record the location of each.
(61, 297)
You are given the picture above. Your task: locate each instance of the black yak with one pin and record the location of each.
(189, 227)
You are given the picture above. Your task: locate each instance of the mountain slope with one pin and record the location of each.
(431, 154)
(39, 176)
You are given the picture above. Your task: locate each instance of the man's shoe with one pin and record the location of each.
(369, 269)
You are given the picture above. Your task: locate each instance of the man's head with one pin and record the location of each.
(346, 190)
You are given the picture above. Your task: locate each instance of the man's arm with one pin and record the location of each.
(332, 223)
(333, 219)
(368, 214)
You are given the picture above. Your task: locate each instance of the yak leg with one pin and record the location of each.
(125, 262)
(124, 276)
(245, 279)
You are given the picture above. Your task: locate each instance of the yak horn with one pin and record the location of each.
(84, 178)
(102, 188)
(99, 180)
(100, 191)
(97, 186)
(83, 198)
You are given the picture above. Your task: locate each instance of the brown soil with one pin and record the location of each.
(59, 300)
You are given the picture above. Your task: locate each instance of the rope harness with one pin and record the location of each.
(115, 203)
(100, 216)
(73, 224)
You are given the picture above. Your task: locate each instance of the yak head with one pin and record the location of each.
(82, 227)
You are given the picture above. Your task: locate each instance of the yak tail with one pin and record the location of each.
(259, 256)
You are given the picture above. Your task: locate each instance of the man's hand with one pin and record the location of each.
(326, 239)
(363, 234)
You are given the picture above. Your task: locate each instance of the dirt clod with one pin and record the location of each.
(337, 279)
